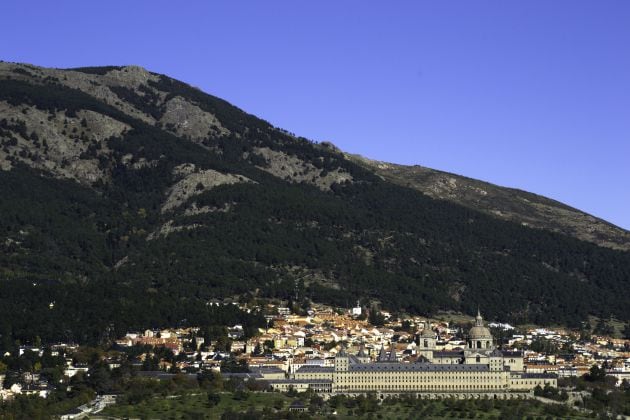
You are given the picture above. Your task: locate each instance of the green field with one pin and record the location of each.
(196, 406)
(274, 405)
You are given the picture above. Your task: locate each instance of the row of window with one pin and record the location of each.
(423, 379)
(423, 388)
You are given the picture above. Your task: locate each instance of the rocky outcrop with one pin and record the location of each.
(92, 84)
(195, 182)
(68, 147)
(194, 209)
(188, 120)
(293, 169)
(168, 228)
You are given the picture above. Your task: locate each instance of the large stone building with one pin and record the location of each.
(479, 368)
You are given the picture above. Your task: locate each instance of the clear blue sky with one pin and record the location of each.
(533, 94)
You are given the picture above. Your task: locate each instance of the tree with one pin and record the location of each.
(376, 318)
(603, 328)
(213, 399)
(232, 365)
(316, 403)
(406, 326)
(595, 374)
(278, 404)
(210, 380)
(240, 395)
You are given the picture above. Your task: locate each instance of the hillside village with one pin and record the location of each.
(315, 338)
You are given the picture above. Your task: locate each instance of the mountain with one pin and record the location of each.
(130, 199)
(504, 203)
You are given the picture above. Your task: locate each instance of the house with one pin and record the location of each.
(75, 413)
(297, 406)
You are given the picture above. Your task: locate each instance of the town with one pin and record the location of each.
(335, 351)
(317, 337)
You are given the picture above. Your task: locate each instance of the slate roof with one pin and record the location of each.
(297, 404)
(266, 369)
(362, 352)
(447, 353)
(353, 359)
(314, 369)
(158, 374)
(538, 375)
(242, 375)
(299, 381)
(382, 356)
(416, 367)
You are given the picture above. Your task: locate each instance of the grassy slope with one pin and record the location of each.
(196, 406)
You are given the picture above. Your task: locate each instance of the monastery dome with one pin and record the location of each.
(479, 331)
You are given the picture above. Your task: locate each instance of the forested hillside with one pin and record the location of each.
(129, 200)
(503, 203)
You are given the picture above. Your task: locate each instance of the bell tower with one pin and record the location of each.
(426, 342)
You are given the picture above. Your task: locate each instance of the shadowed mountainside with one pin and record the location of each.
(130, 199)
(504, 203)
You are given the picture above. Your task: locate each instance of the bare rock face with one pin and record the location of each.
(194, 209)
(330, 146)
(92, 84)
(180, 116)
(186, 119)
(66, 146)
(294, 170)
(129, 76)
(195, 182)
(170, 227)
(130, 161)
(99, 87)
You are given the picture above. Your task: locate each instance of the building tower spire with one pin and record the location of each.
(478, 319)
(382, 356)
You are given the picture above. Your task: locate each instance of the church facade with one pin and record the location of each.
(479, 368)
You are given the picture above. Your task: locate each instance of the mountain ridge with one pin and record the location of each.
(527, 208)
(132, 199)
(507, 203)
